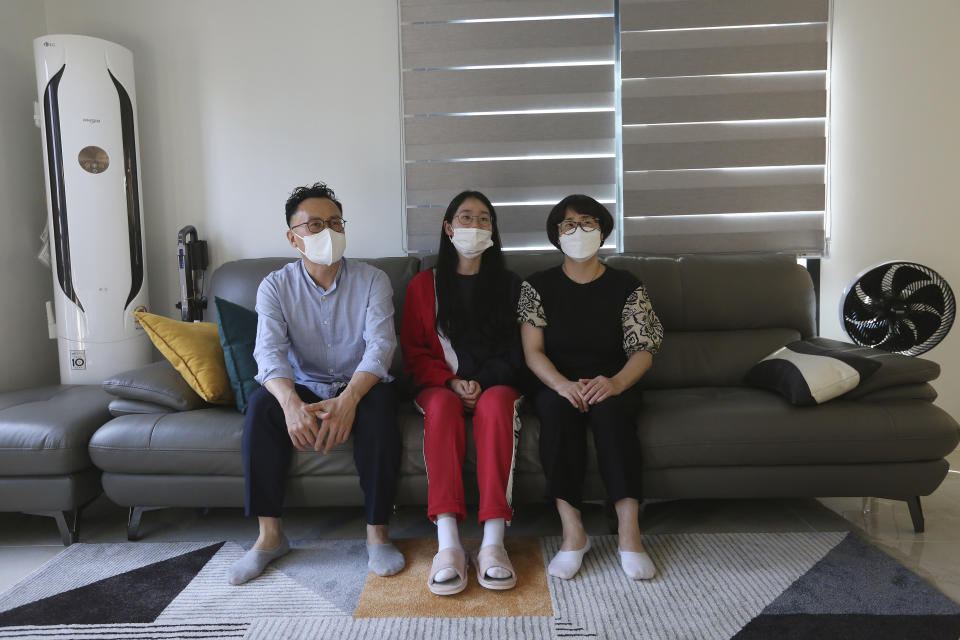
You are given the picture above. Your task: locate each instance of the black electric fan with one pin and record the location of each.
(902, 307)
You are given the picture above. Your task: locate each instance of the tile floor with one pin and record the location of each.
(26, 542)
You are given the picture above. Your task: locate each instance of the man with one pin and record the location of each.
(325, 338)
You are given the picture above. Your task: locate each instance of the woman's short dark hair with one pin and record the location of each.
(315, 190)
(585, 206)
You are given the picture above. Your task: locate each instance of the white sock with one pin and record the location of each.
(448, 537)
(637, 565)
(493, 531)
(566, 564)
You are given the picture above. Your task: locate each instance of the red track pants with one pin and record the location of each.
(495, 434)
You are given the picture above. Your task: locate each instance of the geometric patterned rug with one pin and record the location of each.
(747, 586)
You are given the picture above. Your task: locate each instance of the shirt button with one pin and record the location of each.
(329, 345)
(325, 322)
(330, 370)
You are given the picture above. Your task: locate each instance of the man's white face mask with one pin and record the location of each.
(581, 245)
(470, 241)
(325, 247)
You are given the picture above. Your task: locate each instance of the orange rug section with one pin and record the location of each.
(406, 595)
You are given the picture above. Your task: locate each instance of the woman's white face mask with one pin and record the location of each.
(325, 247)
(581, 245)
(470, 241)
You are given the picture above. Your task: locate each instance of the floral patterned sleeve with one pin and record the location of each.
(642, 330)
(529, 307)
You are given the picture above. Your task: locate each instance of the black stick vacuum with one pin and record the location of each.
(192, 256)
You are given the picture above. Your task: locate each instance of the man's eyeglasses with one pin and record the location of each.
(483, 220)
(569, 226)
(318, 224)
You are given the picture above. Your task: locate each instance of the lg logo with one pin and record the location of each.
(78, 360)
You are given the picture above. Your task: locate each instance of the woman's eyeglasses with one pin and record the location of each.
(569, 226)
(483, 220)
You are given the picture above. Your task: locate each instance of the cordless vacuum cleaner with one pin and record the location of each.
(192, 257)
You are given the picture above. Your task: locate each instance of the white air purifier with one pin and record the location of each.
(88, 117)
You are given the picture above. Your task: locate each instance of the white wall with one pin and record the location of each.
(27, 356)
(239, 102)
(895, 164)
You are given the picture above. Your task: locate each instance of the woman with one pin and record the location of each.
(461, 342)
(589, 334)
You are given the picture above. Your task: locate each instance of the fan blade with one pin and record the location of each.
(870, 286)
(857, 309)
(880, 339)
(911, 287)
(930, 294)
(906, 274)
(861, 295)
(897, 341)
(927, 324)
(872, 323)
(868, 336)
(916, 306)
(912, 328)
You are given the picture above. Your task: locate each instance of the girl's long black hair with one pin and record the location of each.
(494, 306)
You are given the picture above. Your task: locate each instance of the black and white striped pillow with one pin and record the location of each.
(807, 374)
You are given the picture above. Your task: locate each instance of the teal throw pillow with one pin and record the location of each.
(238, 336)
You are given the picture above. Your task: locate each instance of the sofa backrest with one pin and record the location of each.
(721, 313)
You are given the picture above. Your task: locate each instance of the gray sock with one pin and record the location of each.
(254, 562)
(385, 559)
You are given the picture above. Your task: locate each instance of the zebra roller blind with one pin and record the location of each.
(512, 98)
(724, 106)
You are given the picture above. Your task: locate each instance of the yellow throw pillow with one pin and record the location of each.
(193, 348)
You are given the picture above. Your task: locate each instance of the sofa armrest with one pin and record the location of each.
(921, 391)
(895, 369)
(158, 383)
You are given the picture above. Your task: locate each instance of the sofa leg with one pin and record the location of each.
(69, 529)
(916, 513)
(68, 523)
(133, 521)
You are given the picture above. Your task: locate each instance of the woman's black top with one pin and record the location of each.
(590, 329)
(483, 354)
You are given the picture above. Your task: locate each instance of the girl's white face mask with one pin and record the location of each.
(581, 245)
(470, 241)
(325, 247)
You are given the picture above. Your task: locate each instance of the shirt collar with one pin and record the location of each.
(336, 280)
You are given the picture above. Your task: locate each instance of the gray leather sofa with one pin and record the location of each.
(703, 433)
(45, 467)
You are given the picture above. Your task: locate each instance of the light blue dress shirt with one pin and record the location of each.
(320, 337)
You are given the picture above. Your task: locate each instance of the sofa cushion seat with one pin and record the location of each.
(738, 426)
(208, 442)
(45, 431)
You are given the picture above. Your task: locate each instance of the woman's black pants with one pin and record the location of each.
(563, 445)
